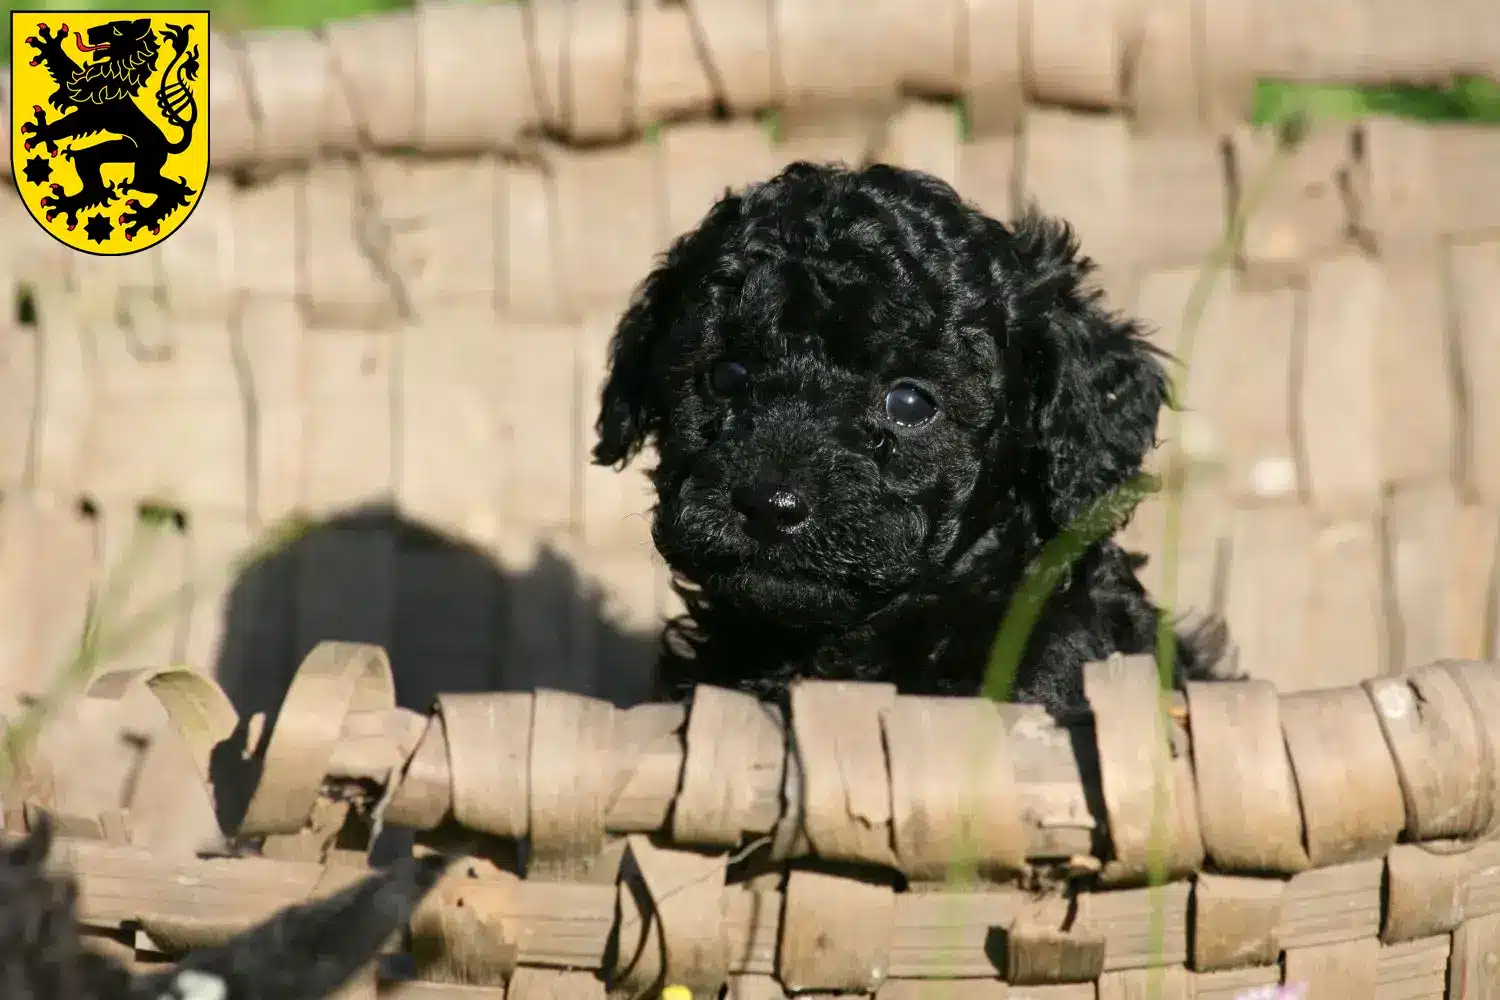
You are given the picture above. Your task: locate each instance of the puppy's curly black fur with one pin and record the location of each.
(301, 953)
(872, 406)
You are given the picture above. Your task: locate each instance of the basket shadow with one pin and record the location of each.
(450, 617)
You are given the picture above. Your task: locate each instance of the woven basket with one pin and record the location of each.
(1342, 839)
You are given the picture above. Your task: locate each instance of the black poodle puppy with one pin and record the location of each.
(873, 406)
(301, 953)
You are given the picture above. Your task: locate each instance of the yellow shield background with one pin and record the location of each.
(148, 203)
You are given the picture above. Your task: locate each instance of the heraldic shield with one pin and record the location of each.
(109, 123)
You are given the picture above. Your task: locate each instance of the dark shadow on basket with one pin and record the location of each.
(449, 616)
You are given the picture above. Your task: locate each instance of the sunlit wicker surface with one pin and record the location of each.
(1344, 838)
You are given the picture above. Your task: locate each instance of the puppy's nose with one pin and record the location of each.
(769, 505)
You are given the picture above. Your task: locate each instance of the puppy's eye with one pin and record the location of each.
(728, 378)
(908, 405)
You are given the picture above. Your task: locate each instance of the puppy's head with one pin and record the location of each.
(857, 385)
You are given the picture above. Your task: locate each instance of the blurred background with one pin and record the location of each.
(353, 395)
(1470, 98)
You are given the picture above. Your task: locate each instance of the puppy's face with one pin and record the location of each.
(840, 374)
(818, 446)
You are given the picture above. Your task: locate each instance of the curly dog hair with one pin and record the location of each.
(872, 406)
(301, 953)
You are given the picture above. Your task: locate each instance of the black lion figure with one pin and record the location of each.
(100, 96)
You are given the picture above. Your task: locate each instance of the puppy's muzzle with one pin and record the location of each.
(768, 506)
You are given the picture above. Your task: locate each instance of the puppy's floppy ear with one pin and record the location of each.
(632, 404)
(1099, 385)
(629, 406)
